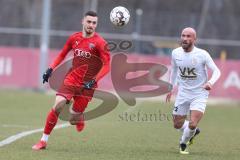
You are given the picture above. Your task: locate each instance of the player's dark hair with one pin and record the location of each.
(90, 13)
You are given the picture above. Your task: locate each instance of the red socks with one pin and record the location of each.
(51, 121)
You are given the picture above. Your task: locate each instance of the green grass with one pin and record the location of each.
(112, 136)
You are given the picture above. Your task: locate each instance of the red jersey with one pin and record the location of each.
(91, 58)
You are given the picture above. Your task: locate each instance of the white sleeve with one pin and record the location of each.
(173, 75)
(216, 72)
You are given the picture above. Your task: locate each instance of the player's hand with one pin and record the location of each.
(47, 74)
(168, 98)
(89, 84)
(207, 86)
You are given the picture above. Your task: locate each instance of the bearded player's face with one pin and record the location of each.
(187, 40)
(89, 24)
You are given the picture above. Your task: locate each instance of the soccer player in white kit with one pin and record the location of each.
(189, 72)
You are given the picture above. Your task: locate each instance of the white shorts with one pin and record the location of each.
(186, 103)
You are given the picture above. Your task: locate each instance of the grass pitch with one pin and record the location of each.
(141, 132)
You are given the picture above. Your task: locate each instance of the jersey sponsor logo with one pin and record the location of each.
(81, 53)
(187, 72)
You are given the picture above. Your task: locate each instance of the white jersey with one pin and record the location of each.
(189, 70)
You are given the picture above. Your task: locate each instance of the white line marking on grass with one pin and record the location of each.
(14, 126)
(26, 133)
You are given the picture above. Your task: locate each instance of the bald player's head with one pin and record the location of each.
(188, 38)
(191, 31)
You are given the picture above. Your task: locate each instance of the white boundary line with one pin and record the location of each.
(26, 133)
(14, 126)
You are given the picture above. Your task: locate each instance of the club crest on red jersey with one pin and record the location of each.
(91, 45)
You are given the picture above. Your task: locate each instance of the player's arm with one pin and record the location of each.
(215, 75)
(61, 56)
(173, 75)
(173, 78)
(105, 57)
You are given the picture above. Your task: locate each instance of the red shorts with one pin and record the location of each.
(80, 96)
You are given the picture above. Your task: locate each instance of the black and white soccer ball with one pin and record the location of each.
(119, 16)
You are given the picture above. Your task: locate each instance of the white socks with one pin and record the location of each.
(44, 137)
(185, 124)
(187, 135)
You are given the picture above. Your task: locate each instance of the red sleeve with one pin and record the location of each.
(67, 47)
(105, 57)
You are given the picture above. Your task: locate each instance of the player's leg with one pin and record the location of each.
(189, 132)
(180, 112)
(180, 122)
(79, 105)
(51, 121)
(197, 109)
(77, 116)
(52, 117)
(196, 116)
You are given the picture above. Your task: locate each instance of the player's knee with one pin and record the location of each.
(72, 122)
(59, 104)
(75, 119)
(192, 125)
(177, 125)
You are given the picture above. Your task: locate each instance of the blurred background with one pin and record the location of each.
(34, 31)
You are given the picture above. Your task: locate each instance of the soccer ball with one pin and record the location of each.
(119, 16)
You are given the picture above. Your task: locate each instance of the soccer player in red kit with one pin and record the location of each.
(89, 49)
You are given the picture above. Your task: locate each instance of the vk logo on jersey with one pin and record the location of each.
(187, 72)
(81, 53)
